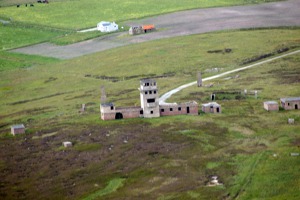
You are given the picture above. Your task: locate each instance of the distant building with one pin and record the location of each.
(290, 103)
(211, 107)
(67, 144)
(271, 106)
(107, 26)
(150, 106)
(17, 129)
(190, 108)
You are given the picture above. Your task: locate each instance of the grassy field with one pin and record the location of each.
(82, 14)
(163, 158)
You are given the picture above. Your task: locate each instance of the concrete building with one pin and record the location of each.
(211, 107)
(188, 108)
(107, 26)
(291, 103)
(149, 98)
(67, 144)
(17, 129)
(150, 106)
(271, 106)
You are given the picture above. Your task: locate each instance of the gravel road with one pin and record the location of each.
(284, 13)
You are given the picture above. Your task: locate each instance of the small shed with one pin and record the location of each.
(107, 26)
(291, 103)
(17, 129)
(211, 107)
(135, 30)
(271, 106)
(67, 144)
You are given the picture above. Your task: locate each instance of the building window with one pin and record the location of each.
(154, 91)
(141, 112)
(150, 92)
(146, 92)
(111, 107)
(288, 104)
(154, 83)
(150, 100)
(179, 108)
(171, 109)
(162, 110)
(151, 112)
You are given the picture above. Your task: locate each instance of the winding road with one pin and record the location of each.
(283, 13)
(163, 98)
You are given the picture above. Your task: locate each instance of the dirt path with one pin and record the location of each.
(163, 98)
(284, 13)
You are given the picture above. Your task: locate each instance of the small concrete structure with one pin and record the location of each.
(291, 103)
(188, 108)
(67, 144)
(136, 30)
(17, 129)
(211, 107)
(271, 106)
(199, 79)
(107, 26)
(214, 181)
(291, 121)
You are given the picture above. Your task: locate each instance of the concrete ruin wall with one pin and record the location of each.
(121, 113)
(211, 108)
(178, 109)
(290, 104)
(271, 106)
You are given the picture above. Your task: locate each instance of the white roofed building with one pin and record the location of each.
(107, 26)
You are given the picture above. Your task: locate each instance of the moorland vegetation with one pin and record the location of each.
(248, 148)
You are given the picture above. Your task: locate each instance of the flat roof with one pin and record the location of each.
(271, 102)
(290, 99)
(107, 104)
(214, 104)
(18, 126)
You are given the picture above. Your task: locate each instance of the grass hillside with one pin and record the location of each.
(162, 158)
(83, 14)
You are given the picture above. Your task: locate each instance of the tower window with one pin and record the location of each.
(150, 100)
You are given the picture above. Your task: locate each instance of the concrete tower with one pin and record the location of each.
(149, 98)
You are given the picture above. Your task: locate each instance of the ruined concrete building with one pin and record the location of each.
(271, 106)
(290, 103)
(211, 107)
(150, 106)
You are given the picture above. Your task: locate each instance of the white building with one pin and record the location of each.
(107, 26)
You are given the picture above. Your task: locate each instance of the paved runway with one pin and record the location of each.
(276, 14)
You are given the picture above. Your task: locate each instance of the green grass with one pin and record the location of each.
(83, 14)
(87, 147)
(167, 157)
(111, 187)
(18, 35)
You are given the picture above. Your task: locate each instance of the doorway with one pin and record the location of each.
(119, 116)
